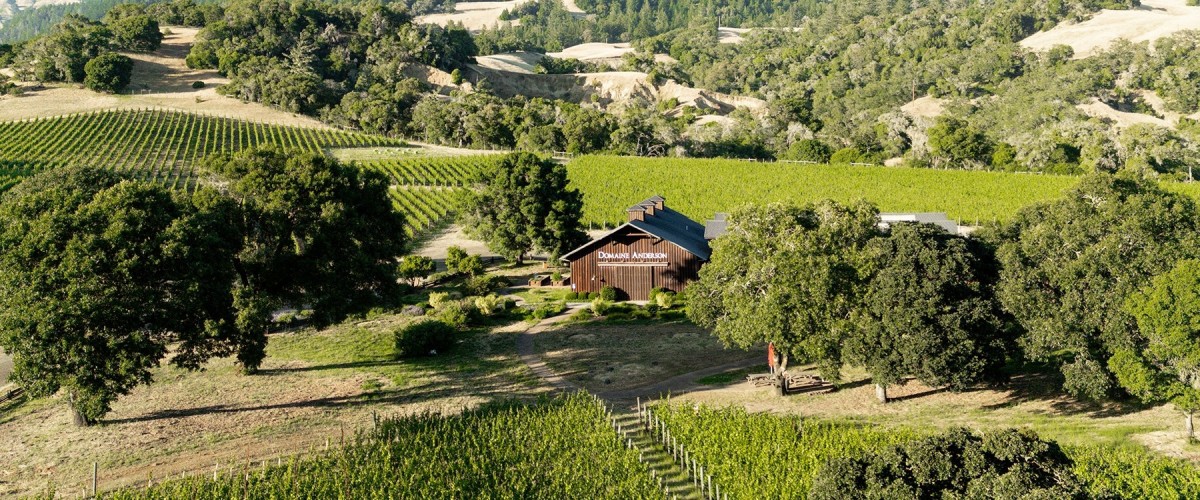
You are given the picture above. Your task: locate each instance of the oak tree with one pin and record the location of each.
(314, 232)
(1068, 266)
(929, 311)
(790, 275)
(97, 276)
(524, 204)
(1165, 365)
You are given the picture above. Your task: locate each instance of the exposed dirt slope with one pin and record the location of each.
(475, 16)
(617, 87)
(1153, 20)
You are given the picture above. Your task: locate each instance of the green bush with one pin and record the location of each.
(957, 464)
(491, 304)
(423, 338)
(572, 295)
(454, 313)
(600, 307)
(608, 293)
(438, 299)
(454, 256)
(547, 310)
(592, 296)
(556, 276)
(484, 285)
(665, 299)
(108, 72)
(472, 265)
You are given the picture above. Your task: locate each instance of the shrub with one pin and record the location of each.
(484, 285)
(197, 84)
(438, 299)
(424, 338)
(600, 307)
(108, 72)
(556, 276)
(547, 310)
(471, 265)
(592, 296)
(490, 305)
(572, 295)
(665, 299)
(454, 255)
(1000, 464)
(454, 313)
(608, 293)
(415, 268)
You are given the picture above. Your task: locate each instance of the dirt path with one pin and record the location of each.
(6, 366)
(530, 357)
(677, 384)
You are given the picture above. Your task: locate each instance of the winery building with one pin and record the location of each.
(657, 248)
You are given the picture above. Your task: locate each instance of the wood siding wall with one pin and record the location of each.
(633, 280)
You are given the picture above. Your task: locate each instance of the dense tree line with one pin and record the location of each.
(1099, 284)
(100, 274)
(842, 75)
(307, 56)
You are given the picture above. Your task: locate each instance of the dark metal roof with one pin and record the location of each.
(666, 224)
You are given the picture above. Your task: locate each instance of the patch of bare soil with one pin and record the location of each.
(1153, 20)
(613, 88)
(475, 16)
(925, 107)
(437, 246)
(603, 356)
(159, 80)
(516, 62)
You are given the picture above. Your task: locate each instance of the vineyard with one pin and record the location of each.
(161, 146)
(165, 146)
(426, 188)
(560, 448)
(700, 188)
(746, 453)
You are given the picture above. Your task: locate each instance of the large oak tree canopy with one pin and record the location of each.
(787, 274)
(524, 204)
(929, 311)
(1069, 265)
(97, 276)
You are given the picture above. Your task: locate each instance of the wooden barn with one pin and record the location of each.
(657, 248)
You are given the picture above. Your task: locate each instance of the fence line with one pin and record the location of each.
(657, 429)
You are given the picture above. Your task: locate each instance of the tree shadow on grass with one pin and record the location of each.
(1038, 382)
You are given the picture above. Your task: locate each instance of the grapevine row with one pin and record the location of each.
(154, 145)
(559, 448)
(447, 171)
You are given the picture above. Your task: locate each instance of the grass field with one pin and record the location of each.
(315, 387)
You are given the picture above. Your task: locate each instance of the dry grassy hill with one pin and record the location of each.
(1153, 20)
